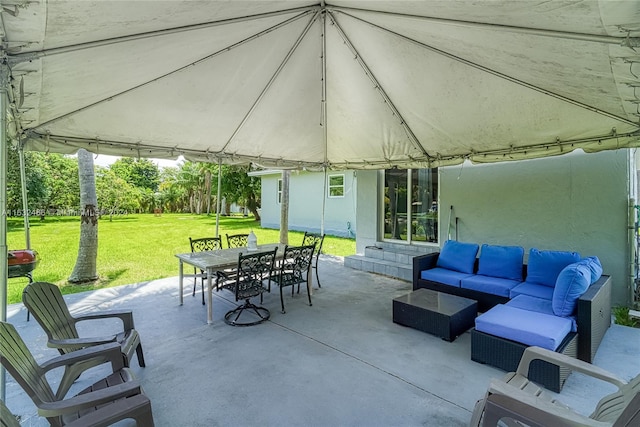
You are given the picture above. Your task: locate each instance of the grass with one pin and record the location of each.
(132, 248)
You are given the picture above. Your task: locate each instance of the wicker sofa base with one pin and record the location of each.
(506, 354)
(593, 311)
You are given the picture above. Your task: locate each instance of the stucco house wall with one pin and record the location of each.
(306, 191)
(577, 202)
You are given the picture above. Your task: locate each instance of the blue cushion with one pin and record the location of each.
(593, 262)
(544, 266)
(501, 261)
(458, 256)
(489, 285)
(532, 289)
(527, 302)
(572, 282)
(524, 326)
(442, 275)
(540, 305)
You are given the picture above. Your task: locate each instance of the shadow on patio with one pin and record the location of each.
(341, 362)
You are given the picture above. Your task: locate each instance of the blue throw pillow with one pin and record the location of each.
(501, 261)
(573, 281)
(594, 266)
(458, 256)
(544, 267)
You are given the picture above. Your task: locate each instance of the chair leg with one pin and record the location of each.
(309, 296)
(30, 277)
(140, 356)
(262, 313)
(282, 300)
(317, 277)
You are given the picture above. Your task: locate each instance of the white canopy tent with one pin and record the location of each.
(346, 84)
(330, 84)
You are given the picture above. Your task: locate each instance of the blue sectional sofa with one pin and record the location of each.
(558, 301)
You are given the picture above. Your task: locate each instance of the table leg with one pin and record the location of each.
(209, 297)
(180, 269)
(310, 280)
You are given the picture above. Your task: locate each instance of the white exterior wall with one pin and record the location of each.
(368, 209)
(577, 202)
(306, 190)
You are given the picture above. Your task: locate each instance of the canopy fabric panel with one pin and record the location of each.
(341, 84)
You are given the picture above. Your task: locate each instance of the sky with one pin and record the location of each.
(105, 160)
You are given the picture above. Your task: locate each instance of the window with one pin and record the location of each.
(336, 185)
(279, 191)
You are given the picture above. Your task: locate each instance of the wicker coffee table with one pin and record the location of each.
(443, 315)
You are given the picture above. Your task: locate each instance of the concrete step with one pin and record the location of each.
(390, 259)
(405, 248)
(380, 266)
(402, 254)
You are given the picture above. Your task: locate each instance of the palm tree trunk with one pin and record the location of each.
(85, 269)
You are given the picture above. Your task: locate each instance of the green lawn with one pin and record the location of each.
(132, 248)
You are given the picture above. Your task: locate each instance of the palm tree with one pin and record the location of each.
(85, 269)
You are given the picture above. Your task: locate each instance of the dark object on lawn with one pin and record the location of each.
(22, 262)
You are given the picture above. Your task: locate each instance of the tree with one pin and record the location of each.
(62, 181)
(38, 192)
(192, 181)
(85, 269)
(141, 173)
(239, 187)
(171, 192)
(114, 193)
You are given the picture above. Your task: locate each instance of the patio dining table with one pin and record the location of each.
(212, 261)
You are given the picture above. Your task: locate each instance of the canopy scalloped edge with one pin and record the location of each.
(48, 143)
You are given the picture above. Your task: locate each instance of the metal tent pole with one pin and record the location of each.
(324, 200)
(324, 115)
(4, 265)
(25, 201)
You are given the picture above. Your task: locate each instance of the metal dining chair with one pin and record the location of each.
(237, 240)
(246, 282)
(200, 245)
(294, 269)
(317, 240)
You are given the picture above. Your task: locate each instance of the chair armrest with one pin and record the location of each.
(80, 342)
(106, 352)
(423, 262)
(561, 360)
(125, 315)
(89, 400)
(504, 400)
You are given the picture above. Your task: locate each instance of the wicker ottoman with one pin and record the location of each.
(506, 354)
(443, 315)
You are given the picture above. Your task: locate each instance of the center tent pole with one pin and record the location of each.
(324, 200)
(218, 201)
(324, 115)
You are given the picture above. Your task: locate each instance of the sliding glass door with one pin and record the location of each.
(411, 205)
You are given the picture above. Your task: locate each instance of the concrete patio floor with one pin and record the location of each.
(341, 362)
